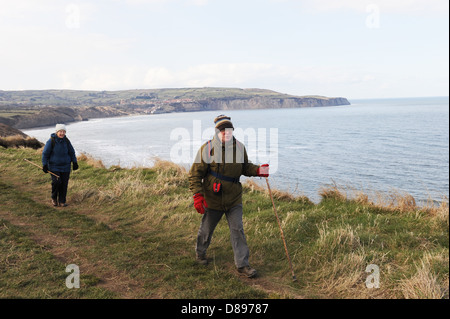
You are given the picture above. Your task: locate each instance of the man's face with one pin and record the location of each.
(226, 135)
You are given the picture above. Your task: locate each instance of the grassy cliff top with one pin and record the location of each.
(132, 233)
(81, 97)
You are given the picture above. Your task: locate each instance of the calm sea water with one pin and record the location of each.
(372, 145)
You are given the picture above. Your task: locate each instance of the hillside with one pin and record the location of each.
(132, 234)
(6, 130)
(32, 108)
(11, 137)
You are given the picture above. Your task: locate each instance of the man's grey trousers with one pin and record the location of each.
(234, 217)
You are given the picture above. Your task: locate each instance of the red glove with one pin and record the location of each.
(263, 170)
(200, 203)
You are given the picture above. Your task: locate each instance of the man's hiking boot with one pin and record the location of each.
(247, 271)
(54, 202)
(202, 260)
(63, 204)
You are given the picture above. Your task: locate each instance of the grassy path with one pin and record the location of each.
(116, 259)
(66, 236)
(132, 234)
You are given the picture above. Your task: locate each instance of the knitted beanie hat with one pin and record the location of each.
(222, 122)
(60, 127)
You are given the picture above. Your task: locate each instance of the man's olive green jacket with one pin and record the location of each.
(228, 159)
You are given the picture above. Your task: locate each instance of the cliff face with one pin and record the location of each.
(46, 117)
(6, 130)
(99, 111)
(252, 103)
(273, 103)
(51, 116)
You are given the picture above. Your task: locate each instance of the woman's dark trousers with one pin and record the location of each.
(59, 186)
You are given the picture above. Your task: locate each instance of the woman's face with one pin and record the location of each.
(61, 133)
(226, 135)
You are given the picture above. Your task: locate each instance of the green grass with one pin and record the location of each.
(132, 233)
(77, 97)
(11, 113)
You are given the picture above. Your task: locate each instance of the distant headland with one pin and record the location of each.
(35, 108)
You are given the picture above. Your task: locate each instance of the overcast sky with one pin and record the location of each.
(350, 48)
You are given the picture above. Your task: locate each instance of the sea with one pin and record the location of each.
(377, 146)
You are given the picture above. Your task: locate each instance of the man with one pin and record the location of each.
(214, 180)
(57, 156)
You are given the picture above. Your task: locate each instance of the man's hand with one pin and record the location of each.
(200, 203)
(45, 168)
(263, 170)
(75, 166)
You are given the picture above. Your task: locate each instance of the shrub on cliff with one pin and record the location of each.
(20, 141)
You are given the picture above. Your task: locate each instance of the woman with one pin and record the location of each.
(57, 156)
(214, 181)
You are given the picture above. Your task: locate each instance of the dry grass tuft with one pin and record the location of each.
(169, 169)
(362, 198)
(439, 212)
(254, 186)
(343, 276)
(90, 161)
(424, 284)
(395, 201)
(342, 238)
(333, 192)
(20, 141)
(86, 192)
(132, 185)
(343, 261)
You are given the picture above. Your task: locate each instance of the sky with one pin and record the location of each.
(338, 48)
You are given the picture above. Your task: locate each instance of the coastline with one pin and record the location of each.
(367, 132)
(32, 109)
